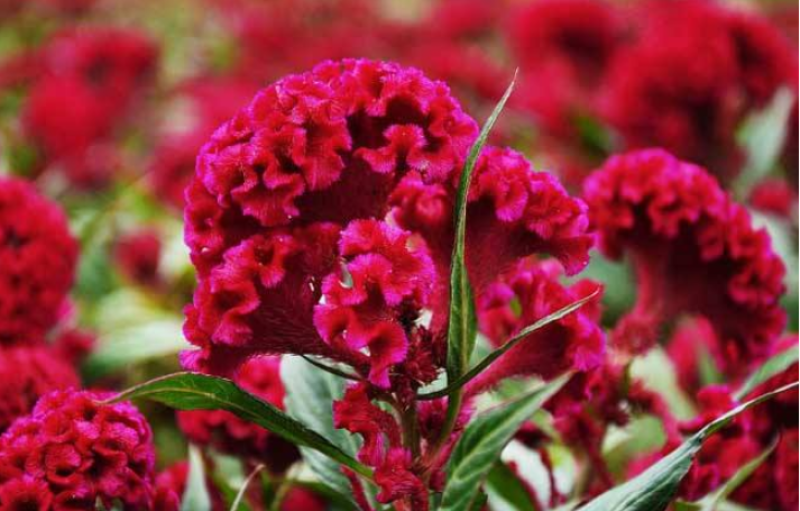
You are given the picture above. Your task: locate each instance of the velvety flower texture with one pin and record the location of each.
(230, 434)
(573, 342)
(320, 223)
(38, 256)
(72, 451)
(28, 373)
(690, 77)
(693, 251)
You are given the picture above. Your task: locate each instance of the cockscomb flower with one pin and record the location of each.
(691, 76)
(693, 250)
(528, 293)
(320, 223)
(776, 197)
(232, 435)
(38, 256)
(28, 373)
(513, 210)
(592, 402)
(278, 184)
(101, 71)
(564, 49)
(73, 451)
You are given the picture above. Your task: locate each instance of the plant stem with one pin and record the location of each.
(408, 420)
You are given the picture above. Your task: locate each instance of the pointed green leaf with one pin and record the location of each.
(483, 441)
(462, 327)
(195, 497)
(653, 489)
(772, 367)
(193, 391)
(494, 355)
(310, 392)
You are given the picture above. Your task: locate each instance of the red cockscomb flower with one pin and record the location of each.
(101, 71)
(76, 452)
(232, 435)
(277, 184)
(695, 71)
(38, 256)
(773, 484)
(573, 342)
(320, 223)
(28, 373)
(564, 49)
(775, 196)
(694, 251)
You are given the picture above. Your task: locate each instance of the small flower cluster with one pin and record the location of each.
(72, 452)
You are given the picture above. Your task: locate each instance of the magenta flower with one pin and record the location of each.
(137, 254)
(28, 373)
(38, 256)
(73, 451)
(101, 71)
(320, 223)
(693, 250)
(573, 342)
(693, 73)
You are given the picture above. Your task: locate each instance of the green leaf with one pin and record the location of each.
(494, 355)
(483, 441)
(653, 489)
(195, 496)
(762, 136)
(772, 367)
(310, 392)
(503, 484)
(193, 391)
(462, 328)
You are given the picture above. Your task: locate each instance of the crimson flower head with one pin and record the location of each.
(564, 49)
(101, 71)
(28, 373)
(689, 79)
(693, 249)
(72, 452)
(320, 221)
(528, 293)
(38, 256)
(230, 434)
